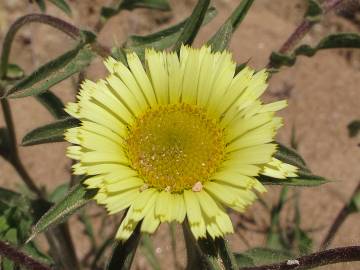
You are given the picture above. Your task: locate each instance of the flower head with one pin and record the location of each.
(182, 137)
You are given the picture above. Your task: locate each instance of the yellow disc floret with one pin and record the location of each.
(175, 146)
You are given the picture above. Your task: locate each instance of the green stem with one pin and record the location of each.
(14, 157)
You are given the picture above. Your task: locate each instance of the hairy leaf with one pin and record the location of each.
(305, 180)
(222, 37)
(53, 104)
(164, 38)
(53, 72)
(108, 12)
(41, 4)
(192, 25)
(61, 4)
(290, 156)
(77, 197)
(53, 132)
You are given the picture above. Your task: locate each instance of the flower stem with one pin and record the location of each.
(339, 220)
(20, 258)
(331, 256)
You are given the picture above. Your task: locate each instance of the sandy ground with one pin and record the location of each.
(322, 91)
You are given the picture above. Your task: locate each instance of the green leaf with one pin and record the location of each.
(59, 193)
(354, 205)
(192, 25)
(153, 4)
(61, 4)
(53, 132)
(354, 128)
(305, 180)
(314, 11)
(290, 156)
(41, 4)
(260, 256)
(77, 197)
(333, 41)
(222, 37)
(53, 104)
(108, 12)
(53, 72)
(162, 39)
(14, 72)
(148, 250)
(124, 252)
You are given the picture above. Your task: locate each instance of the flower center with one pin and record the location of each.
(175, 147)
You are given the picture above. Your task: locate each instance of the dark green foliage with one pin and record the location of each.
(49, 133)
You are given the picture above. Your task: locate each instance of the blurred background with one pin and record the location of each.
(323, 93)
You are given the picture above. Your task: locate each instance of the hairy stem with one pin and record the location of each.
(339, 220)
(20, 258)
(331, 256)
(305, 27)
(14, 157)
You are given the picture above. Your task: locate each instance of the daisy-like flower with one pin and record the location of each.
(182, 137)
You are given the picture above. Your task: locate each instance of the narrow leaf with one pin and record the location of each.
(164, 38)
(290, 156)
(14, 72)
(333, 41)
(41, 4)
(108, 12)
(305, 180)
(53, 132)
(221, 39)
(73, 201)
(124, 252)
(314, 11)
(192, 25)
(61, 4)
(53, 104)
(354, 128)
(53, 72)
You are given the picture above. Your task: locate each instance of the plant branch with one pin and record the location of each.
(305, 27)
(14, 154)
(339, 220)
(20, 258)
(331, 256)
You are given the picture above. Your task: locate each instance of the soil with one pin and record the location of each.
(323, 93)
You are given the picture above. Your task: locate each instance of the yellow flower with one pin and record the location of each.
(183, 137)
